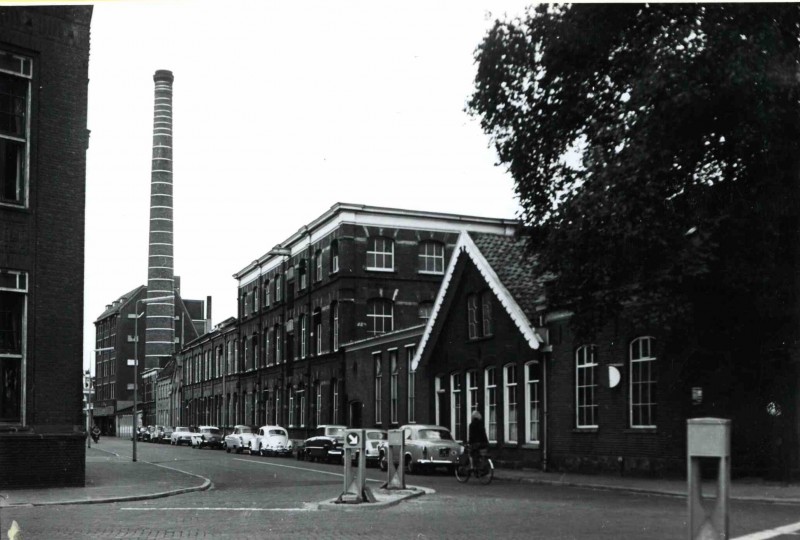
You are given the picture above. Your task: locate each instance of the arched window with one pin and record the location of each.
(380, 316)
(318, 265)
(431, 257)
(642, 386)
(380, 254)
(335, 326)
(586, 386)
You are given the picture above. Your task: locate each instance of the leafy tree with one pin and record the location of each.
(656, 155)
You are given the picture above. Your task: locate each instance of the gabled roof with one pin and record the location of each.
(508, 271)
(117, 304)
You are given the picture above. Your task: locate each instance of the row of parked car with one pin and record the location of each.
(426, 446)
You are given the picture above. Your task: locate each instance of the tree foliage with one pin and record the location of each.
(655, 153)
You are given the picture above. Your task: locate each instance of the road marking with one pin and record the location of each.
(298, 468)
(217, 509)
(771, 533)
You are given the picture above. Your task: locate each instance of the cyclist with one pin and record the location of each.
(477, 438)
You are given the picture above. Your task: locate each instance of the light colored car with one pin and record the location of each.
(182, 435)
(273, 441)
(375, 439)
(167, 436)
(209, 437)
(426, 447)
(242, 438)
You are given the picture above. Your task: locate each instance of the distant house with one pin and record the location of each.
(44, 59)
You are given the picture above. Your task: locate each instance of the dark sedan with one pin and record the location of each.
(327, 444)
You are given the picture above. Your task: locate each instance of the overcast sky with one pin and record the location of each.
(280, 110)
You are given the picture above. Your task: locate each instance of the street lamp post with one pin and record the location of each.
(135, 339)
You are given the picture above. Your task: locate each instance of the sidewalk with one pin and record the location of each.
(742, 489)
(111, 478)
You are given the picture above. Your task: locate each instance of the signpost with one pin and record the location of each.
(708, 438)
(355, 489)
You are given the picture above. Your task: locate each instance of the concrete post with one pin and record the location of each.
(395, 450)
(708, 438)
(355, 490)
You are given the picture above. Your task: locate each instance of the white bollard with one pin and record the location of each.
(355, 490)
(395, 449)
(708, 438)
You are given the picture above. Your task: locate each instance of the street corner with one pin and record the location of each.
(384, 498)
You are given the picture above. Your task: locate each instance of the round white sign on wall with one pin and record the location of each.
(613, 376)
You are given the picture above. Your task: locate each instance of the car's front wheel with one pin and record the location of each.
(411, 468)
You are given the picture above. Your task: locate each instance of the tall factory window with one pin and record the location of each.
(334, 257)
(15, 88)
(13, 326)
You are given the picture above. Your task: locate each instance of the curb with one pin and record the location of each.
(416, 491)
(207, 484)
(641, 491)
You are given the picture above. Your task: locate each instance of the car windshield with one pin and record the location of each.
(213, 431)
(276, 432)
(182, 429)
(435, 434)
(376, 436)
(335, 432)
(245, 430)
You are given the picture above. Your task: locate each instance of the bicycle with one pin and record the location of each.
(483, 470)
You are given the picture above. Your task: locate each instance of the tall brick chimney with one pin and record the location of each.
(160, 333)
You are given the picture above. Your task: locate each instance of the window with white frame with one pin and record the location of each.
(301, 405)
(256, 296)
(490, 402)
(13, 331)
(472, 316)
(278, 288)
(317, 321)
(268, 358)
(334, 401)
(378, 384)
(380, 316)
(277, 406)
(437, 390)
(510, 403)
(411, 383)
(586, 387)
(431, 257)
(318, 404)
(290, 391)
(642, 383)
(425, 309)
(456, 404)
(380, 254)
(303, 275)
(472, 392)
(303, 335)
(393, 376)
(335, 326)
(278, 342)
(532, 401)
(318, 265)
(334, 257)
(267, 290)
(15, 96)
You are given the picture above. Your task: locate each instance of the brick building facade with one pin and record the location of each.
(354, 273)
(44, 59)
(114, 352)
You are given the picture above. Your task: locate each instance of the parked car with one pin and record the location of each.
(165, 438)
(142, 434)
(242, 438)
(426, 447)
(372, 447)
(157, 434)
(327, 444)
(182, 435)
(273, 441)
(207, 437)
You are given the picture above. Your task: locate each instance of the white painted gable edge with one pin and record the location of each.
(467, 245)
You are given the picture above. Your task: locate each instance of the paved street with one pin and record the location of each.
(254, 497)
